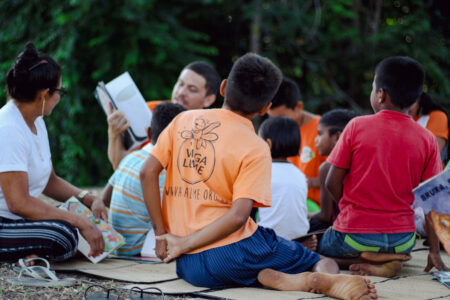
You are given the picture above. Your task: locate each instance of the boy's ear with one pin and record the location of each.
(222, 87)
(382, 96)
(265, 109)
(209, 100)
(335, 137)
(300, 105)
(149, 133)
(269, 142)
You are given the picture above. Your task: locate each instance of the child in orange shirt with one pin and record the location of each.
(287, 103)
(217, 170)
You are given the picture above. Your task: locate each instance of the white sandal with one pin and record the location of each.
(38, 275)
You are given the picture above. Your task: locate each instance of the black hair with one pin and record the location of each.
(162, 115)
(288, 94)
(209, 73)
(31, 72)
(284, 134)
(336, 119)
(426, 106)
(252, 83)
(402, 78)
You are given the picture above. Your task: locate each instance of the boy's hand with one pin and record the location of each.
(176, 246)
(434, 260)
(99, 210)
(161, 248)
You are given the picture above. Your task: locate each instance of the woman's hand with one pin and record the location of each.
(176, 246)
(99, 210)
(93, 236)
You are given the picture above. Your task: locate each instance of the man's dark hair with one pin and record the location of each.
(288, 94)
(284, 134)
(209, 73)
(162, 115)
(252, 83)
(31, 72)
(402, 78)
(336, 119)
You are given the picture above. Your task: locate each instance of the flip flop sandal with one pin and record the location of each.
(145, 295)
(39, 276)
(100, 296)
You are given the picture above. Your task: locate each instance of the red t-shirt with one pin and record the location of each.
(387, 155)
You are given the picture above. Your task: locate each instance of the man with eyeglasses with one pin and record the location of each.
(196, 88)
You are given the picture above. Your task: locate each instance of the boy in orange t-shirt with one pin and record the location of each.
(217, 170)
(287, 103)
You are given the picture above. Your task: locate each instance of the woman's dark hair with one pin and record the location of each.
(31, 72)
(284, 134)
(426, 106)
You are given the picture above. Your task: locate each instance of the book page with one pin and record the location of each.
(129, 100)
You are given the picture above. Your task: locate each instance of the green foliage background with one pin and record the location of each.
(329, 47)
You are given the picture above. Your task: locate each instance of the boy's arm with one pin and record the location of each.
(149, 176)
(335, 182)
(234, 219)
(326, 199)
(434, 256)
(117, 124)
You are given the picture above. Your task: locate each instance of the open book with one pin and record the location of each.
(123, 94)
(113, 239)
(433, 196)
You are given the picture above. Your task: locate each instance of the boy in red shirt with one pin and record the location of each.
(382, 157)
(217, 170)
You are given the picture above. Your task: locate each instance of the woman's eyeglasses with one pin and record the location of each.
(62, 91)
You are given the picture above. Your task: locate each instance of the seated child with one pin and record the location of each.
(217, 170)
(382, 157)
(288, 215)
(329, 129)
(128, 213)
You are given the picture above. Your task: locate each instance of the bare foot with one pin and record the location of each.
(30, 263)
(340, 286)
(377, 257)
(388, 270)
(310, 243)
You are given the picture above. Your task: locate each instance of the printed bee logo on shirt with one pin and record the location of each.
(197, 156)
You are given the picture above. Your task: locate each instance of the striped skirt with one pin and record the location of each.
(51, 239)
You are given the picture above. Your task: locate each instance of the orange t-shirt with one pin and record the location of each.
(154, 103)
(436, 122)
(309, 159)
(212, 157)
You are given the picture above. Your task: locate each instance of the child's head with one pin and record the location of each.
(401, 78)
(162, 115)
(251, 84)
(287, 101)
(330, 127)
(283, 136)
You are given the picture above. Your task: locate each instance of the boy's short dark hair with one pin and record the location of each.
(402, 78)
(288, 94)
(162, 115)
(209, 73)
(284, 134)
(252, 83)
(336, 119)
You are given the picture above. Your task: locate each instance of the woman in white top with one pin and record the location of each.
(29, 226)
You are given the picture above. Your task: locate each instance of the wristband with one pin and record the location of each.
(82, 195)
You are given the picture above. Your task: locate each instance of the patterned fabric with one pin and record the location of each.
(51, 239)
(128, 213)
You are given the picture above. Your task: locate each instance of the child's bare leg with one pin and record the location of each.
(335, 285)
(310, 243)
(389, 269)
(378, 257)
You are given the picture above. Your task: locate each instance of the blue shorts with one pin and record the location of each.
(239, 263)
(350, 245)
